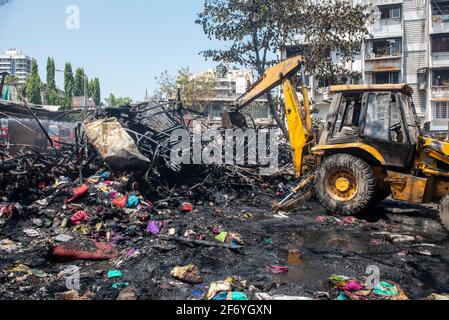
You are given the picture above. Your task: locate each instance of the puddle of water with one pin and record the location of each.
(294, 258)
(322, 240)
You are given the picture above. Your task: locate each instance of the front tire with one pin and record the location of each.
(345, 185)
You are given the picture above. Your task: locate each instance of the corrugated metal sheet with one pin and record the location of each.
(19, 136)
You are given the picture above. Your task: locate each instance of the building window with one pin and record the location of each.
(387, 47)
(386, 77)
(440, 78)
(390, 12)
(441, 110)
(440, 43)
(440, 8)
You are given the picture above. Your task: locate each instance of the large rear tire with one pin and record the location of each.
(345, 185)
(444, 213)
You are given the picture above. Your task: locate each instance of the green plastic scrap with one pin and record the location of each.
(222, 237)
(386, 289)
(239, 296)
(337, 279)
(120, 285)
(342, 297)
(115, 274)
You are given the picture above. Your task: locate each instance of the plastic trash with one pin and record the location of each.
(133, 201)
(186, 207)
(222, 237)
(33, 233)
(189, 274)
(277, 269)
(78, 193)
(112, 274)
(239, 296)
(217, 287)
(120, 202)
(153, 228)
(79, 217)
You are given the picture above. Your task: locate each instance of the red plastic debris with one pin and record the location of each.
(187, 207)
(277, 269)
(120, 202)
(67, 253)
(79, 217)
(78, 193)
(6, 210)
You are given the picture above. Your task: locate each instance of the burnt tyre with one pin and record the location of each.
(444, 213)
(345, 185)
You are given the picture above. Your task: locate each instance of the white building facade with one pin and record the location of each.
(409, 44)
(16, 64)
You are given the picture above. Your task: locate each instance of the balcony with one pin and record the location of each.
(440, 59)
(381, 2)
(385, 28)
(440, 92)
(383, 63)
(440, 24)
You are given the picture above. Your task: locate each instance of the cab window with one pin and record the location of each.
(349, 113)
(384, 119)
(376, 124)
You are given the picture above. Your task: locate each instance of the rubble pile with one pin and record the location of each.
(79, 224)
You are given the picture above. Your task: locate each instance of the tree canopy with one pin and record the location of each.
(115, 102)
(254, 31)
(69, 85)
(196, 90)
(33, 86)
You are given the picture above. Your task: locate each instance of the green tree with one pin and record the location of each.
(90, 88)
(51, 82)
(80, 80)
(254, 31)
(69, 85)
(34, 85)
(196, 90)
(96, 92)
(115, 102)
(51, 93)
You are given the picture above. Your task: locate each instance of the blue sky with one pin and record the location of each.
(124, 43)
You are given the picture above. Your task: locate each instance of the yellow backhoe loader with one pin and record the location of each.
(371, 146)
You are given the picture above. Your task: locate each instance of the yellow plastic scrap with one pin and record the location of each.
(438, 297)
(217, 287)
(21, 268)
(93, 180)
(84, 230)
(98, 227)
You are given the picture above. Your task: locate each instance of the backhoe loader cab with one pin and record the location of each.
(375, 122)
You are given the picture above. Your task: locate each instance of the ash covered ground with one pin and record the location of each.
(405, 242)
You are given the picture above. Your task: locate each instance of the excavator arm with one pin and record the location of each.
(298, 115)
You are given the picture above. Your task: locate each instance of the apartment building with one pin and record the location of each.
(17, 64)
(409, 43)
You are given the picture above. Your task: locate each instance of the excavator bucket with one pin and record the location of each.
(233, 119)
